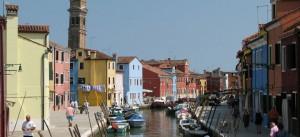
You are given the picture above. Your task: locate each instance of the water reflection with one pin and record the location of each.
(158, 124)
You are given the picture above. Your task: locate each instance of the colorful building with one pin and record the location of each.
(27, 68)
(119, 92)
(133, 79)
(158, 81)
(74, 67)
(96, 77)
(172, 72)
(59, 68)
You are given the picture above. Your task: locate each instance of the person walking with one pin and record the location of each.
(281, 132)
(28, 127)
(70, 115)
(274, 129)
(246, 118)
(258, 122)
(273, 115)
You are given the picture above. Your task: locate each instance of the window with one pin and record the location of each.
(273, 11)
(56, 55)
(81, 65)
(138, 67)
(71, 65)
(292, 102)
(62, 56)
(108, 65)
(71, 80)
(72, 20)
(291, 56)
(50, 71)
(277, 54)
(129, 81)
(56, 78)
(283, 58)
(77, 20)
(79, 54)
(141, 81)
(109, 80)
(137, 82)
(133, 67)
(83, 21)
(61, 78)
(113, 80)
(121, 67)
(81, 80)
(113, 65)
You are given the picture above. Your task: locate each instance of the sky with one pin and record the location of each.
(206, 32)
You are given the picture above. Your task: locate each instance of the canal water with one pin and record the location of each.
(158, 124)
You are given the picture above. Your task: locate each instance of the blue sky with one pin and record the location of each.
(206, 32)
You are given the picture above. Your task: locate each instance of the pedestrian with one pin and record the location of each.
(273, 115)
(258, 122)
(70, 115)
(274, 129)
(28, 127)
(281, 132)
(86, 106)
(246, 118)
(76, 106)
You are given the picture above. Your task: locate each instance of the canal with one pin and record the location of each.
(158, 124)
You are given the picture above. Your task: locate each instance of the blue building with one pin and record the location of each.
(133, 79)
(74, 79)
(260, 65)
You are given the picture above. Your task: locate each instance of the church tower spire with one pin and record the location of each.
(77, 24)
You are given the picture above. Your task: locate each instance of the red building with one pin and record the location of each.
(186, 85)
(283, 72)
(156, 80)
(3, 112)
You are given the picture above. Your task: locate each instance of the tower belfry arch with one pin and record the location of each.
(77, 24)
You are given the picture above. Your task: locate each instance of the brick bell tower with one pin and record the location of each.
(77, 24)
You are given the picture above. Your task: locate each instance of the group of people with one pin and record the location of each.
(276, 129)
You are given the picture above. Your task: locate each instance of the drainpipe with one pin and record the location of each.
(43, 82)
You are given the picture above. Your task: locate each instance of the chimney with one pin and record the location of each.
(114, 55)
(12, 10)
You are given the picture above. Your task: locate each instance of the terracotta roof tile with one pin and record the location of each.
(33, 29)
(99, 55)
(155, 70)
(125, 59)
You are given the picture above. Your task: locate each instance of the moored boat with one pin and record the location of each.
(136, 120)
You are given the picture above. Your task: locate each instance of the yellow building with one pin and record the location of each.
(95, 69)
(27, 73)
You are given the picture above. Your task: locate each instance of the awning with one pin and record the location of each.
(147, 91)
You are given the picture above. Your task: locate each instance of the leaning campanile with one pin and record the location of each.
(77, 24)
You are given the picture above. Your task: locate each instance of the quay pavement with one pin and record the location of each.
(59, 124)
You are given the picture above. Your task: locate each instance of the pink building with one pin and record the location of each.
(59, 76)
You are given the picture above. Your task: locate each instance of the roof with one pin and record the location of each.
(168, 63)
(12, 7)
(125, 59)
(54, 44)
(281, 17)
(33, 28)
(99, 55)
(155, 70)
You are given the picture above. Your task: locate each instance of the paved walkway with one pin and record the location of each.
(59, 123)
(224, 114)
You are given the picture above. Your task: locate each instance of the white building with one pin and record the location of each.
(119, 93)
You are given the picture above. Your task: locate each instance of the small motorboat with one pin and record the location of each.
(183, 114)
(158, 104)
(184, 122)
(118, 128)
(193, 130)
(136, 120)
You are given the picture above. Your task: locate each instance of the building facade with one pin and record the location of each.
(3, 107)
(59, 67)
(74, 67)
(158, 81)
(22, 41)
(119, 92)
(96, 77)
(133, 79)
